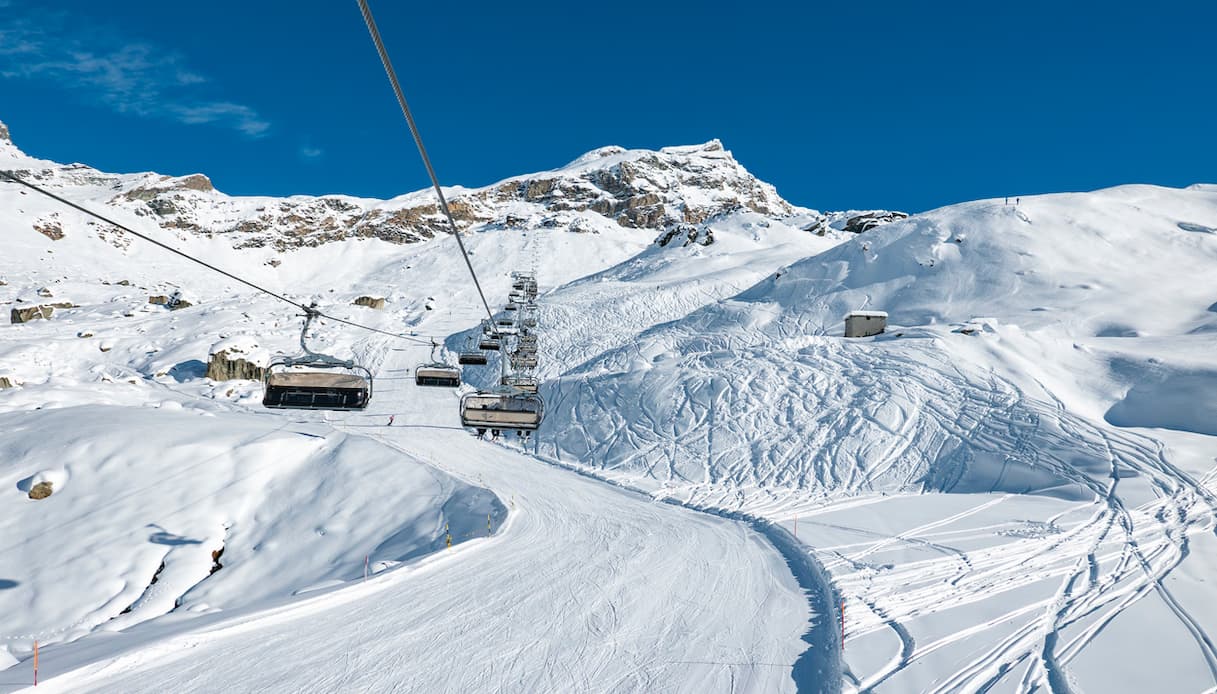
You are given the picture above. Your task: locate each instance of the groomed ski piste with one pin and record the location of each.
(1011, 489)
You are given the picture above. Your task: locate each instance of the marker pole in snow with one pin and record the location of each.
(842, 624)
(366, 557)
(35, 663)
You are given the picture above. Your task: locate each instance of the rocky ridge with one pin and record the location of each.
(675, 191)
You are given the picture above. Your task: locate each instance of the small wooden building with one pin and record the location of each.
(865, 323)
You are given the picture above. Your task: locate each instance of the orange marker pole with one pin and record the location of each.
(35, 663)
(842, 624)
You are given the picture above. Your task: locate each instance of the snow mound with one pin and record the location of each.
(186, 508)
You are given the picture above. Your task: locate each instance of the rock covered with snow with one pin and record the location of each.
(640, 189)
(239, 357)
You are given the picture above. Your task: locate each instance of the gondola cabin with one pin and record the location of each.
(442, 376)
(316, 390)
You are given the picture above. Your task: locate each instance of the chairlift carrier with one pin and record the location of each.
(437, 373)
(315, 388)
(501, 409)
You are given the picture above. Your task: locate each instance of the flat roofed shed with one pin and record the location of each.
(865, 323)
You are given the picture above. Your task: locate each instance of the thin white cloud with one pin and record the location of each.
(307, 152)
(130, 77)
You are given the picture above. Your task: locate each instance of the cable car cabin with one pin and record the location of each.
(471, 358)
(488, 343)
(528, 341)
(440, 375)
(511, 410)
(316, 390)
(511, 306)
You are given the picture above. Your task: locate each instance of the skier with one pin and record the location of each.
(391, 419)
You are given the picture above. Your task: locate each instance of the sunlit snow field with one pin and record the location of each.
(1011, 488)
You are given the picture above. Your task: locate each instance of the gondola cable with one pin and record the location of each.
(418, 141)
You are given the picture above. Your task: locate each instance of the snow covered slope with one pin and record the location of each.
(1050, 365)
(1008, 487)
(978, 295)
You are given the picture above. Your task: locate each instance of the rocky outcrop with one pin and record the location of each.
(870, 220)
(172, 302)
(4, 136)
(50, 228)
(237, 358)
(637, 189)
(370, 301)
(25, 315)
(7, 382)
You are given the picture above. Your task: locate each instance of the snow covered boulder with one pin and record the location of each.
(25, 315)
(173, 302)
(370, 301)
(237, 358)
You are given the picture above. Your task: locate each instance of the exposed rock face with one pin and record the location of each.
(237, 358)
(223, 366)
(370, 301)
(637, 189)
(870, 220)
(25, 315)
(7, 382)
(4, 136)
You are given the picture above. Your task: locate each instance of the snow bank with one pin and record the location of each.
(148, 504)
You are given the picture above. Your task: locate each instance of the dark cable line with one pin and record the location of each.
(418, 140)
(307, 309)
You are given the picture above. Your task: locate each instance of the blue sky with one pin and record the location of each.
(840, 105)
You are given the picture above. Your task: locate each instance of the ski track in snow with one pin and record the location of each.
(647, 603)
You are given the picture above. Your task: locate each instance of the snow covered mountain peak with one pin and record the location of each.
(671, 190)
